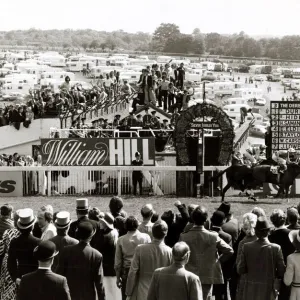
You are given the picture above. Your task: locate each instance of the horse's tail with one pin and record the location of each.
(214, 178)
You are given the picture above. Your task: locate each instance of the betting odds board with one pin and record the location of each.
(285, 125)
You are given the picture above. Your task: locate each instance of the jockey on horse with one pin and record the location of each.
(282, 157)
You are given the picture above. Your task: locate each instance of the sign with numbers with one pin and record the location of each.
(285, 125)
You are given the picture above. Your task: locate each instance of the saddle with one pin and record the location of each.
(274, 170)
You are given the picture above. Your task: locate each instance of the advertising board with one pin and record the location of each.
(97, 152)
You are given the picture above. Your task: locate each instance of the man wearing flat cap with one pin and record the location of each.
(82, 266)
(147, 118)
(263, 264)
(20, 254)
(43, 283)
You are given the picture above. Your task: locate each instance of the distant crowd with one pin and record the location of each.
(179, 255)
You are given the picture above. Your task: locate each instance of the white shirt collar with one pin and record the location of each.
(45, 268)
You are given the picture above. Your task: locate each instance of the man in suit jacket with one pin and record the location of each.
(146, 259)
(20, 254)
(61, 240)
(82, 210)
(205, 246)
(185, 285)
(82, 266)
(262, 261)
(220, 290)
(43, 283)
(231, 226)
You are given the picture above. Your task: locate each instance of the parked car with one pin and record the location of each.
(258, 131)
(260, 102)
(259, 78)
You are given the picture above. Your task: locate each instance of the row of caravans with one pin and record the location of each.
(260, 69)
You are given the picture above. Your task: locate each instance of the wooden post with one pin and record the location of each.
(119, 182)
(49, 183)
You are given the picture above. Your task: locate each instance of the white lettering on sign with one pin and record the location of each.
(73, 153)
(115, 151)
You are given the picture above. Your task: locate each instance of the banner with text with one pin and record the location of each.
(11, 184)
(97, 152)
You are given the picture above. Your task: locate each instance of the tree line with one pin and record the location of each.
(167, 38)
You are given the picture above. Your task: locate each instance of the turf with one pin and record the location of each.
(132, 205)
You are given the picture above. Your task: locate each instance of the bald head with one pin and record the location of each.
(147, 211)
(191, 208)
(180, 251)
(200, 215)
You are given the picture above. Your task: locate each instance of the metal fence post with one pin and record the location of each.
(119, 182)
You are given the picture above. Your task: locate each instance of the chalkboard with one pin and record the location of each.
(285, 125)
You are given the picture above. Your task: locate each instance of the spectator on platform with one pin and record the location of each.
(125, 249)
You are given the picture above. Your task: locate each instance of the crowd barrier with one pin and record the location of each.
(49, 181)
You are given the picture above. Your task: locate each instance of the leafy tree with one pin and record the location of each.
(94, 44)
(165, 34)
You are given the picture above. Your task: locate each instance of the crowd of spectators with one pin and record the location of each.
(19, 160)
(112, 256)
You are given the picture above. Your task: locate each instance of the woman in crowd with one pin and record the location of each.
(249, 223)
(44, 220)
(292, 272)
(106, 245)
(280, 236)
(7, 286)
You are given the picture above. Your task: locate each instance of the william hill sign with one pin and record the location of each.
(97, 152)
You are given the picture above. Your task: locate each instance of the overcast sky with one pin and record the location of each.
(255, 17)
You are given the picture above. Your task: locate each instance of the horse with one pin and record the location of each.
(245, 177)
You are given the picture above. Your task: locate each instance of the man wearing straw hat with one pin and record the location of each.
(82, 266)
(82, 211)
(48, 285)
(62, 224)
(20, 254)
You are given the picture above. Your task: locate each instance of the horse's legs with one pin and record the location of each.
(280, 191)
(225, 189)
(287, 189)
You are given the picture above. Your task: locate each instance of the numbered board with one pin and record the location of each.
(285, 125)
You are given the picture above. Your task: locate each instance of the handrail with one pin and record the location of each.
(98, 168)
